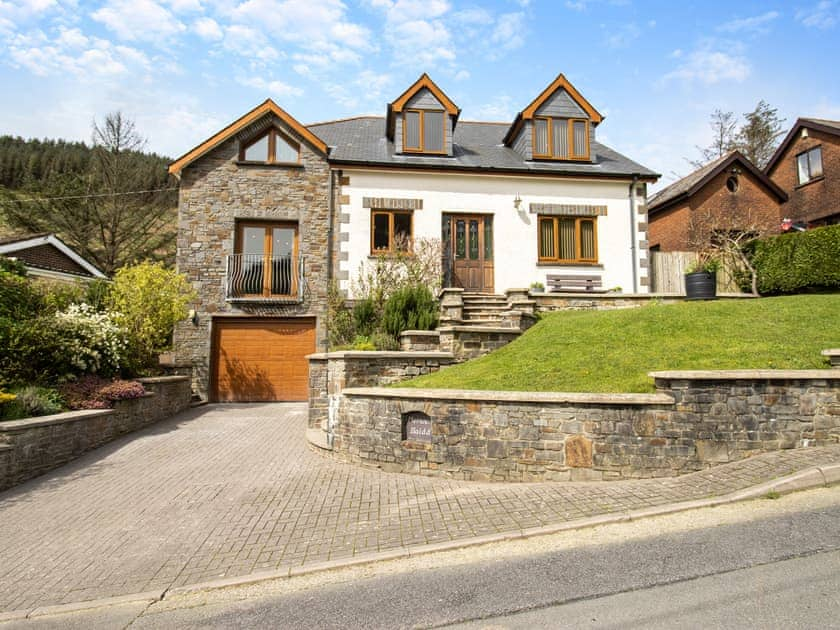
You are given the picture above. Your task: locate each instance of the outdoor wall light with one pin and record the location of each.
(517, 201)
(193, 317)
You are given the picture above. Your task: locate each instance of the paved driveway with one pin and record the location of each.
(226, 490)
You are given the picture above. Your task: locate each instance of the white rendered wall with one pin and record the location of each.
(514, 232)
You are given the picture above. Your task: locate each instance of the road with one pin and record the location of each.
(763, 563)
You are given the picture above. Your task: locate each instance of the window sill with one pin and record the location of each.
(809, 182)
(548, 158)
(545, 263)
(270, 164)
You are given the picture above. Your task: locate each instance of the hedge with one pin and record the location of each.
(802, 260)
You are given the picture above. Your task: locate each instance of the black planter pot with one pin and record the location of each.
(701, 285)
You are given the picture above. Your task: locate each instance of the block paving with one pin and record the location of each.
(228, 490)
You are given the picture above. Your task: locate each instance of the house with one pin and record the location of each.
(729, 193)
(271, 212)
(807, 167)
(47, 256)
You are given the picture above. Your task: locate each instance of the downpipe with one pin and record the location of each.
(634, 255)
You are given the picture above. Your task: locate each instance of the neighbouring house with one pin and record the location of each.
(729, 194)
(272, 211)
(47, 256)
(807, 167)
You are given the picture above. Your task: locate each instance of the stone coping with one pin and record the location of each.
(480, 329)
(831, 352)
(614, 295)
(57, 418)
(380, 354)
(420, 333)
(747, 375)
(510, 396)
(161, 379)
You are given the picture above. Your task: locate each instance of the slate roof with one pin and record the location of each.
(477, 146)
(693, 182)
(46, 251)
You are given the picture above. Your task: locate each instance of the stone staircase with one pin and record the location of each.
(484, 309)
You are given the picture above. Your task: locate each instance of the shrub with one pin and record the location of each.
(94, 392)
(32, 401)
(384, 341)
(339, 319)
(91, 341)
(365, 317)
(18, 298)
(794, 262)
(30, 351)
(12, 266)
(411, 307)
(147, 300)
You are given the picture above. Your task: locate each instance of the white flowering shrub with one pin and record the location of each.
(91, 341)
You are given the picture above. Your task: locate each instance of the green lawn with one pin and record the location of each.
(613, 351)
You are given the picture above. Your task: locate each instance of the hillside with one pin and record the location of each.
(613, 351)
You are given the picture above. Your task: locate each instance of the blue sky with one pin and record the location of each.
(183, 69)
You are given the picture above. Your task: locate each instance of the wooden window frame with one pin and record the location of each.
(796, 166)
(578, 235)
(390, 250)
(422, 131)
(570, 138)
(272, 146)
(268, 244)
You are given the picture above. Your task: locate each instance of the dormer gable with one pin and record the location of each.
(557, 125)
(422, 120)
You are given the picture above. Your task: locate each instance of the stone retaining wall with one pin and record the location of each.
(33, 446)
(332, 372)
(694, 421)
(606, 301)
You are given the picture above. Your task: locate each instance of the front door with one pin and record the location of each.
(468, 251)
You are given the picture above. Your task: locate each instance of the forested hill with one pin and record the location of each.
(25, 163)
(111, 201)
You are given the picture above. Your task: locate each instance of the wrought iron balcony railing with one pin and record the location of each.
(260, 278)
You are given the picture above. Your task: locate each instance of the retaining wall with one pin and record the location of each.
(33, 446)
(695, 420)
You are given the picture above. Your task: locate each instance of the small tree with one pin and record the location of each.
(725, 130)
(147, 300)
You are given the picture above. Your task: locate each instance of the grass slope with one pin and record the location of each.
(613, 351)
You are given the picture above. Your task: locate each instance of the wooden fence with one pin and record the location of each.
(667, 271)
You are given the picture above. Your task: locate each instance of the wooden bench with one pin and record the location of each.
(574, 284)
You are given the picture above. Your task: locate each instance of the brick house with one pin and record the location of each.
(271, 212)
(48, 257)
(729, 193)
(807, 167)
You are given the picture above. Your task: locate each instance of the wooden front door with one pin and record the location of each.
(468, 249)
(261, 360)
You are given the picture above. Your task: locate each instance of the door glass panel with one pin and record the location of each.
(402, 232)
(283, 241)
(488, 238)
(282, 264)
(258, 152)
(253, 240)
(473, 239)
(251, 267)
(380, 232)
(460, 239)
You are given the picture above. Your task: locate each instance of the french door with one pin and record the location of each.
(468, 251)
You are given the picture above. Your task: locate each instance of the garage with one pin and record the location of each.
(261, 360)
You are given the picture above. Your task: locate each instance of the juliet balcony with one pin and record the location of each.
(259, 278)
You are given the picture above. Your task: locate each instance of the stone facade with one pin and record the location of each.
(694, 421)
(33, 446)
(216, 191)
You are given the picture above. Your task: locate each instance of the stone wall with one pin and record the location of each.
(216, 191)
(694, 421)
(33, 446)
(330, 373)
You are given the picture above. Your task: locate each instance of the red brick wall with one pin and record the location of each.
(816, 199)
(687, 226)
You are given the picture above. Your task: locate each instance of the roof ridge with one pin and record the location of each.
(348, 118)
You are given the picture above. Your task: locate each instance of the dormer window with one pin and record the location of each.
(273, 147)
(424, 131)
(561, 138)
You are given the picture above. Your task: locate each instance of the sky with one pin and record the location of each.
(184, 69)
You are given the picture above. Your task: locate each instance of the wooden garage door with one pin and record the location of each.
(257, 360)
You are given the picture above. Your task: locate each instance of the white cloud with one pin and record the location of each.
(139, 20)
(822, 15)
(250, 43)
(755, 24)
(499, 109)
(416, 32)
(622, 36)
(185, 6)
(207, 28)
(272, 88)
(709, 67)
(510, 30)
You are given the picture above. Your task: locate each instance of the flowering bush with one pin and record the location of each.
(91, 341)
(94, 392)
(6, 397)
(30, 401)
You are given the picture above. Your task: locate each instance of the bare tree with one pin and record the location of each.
(724, 128)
